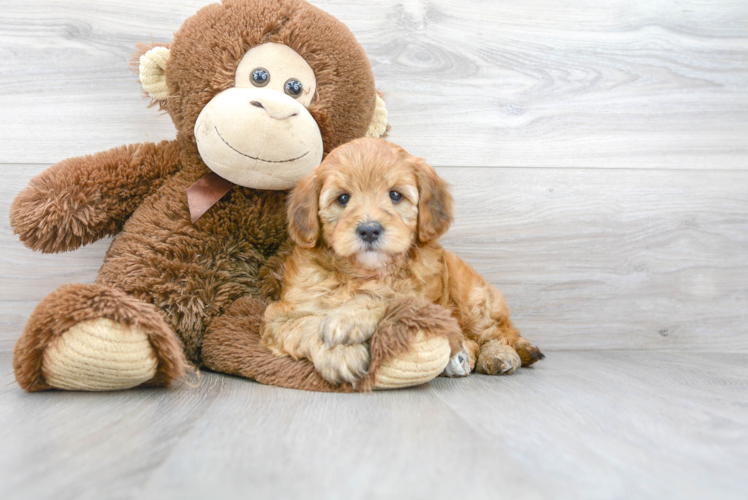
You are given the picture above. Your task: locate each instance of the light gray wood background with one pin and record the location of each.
(598, 151)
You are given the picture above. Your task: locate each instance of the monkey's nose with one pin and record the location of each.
(369, 231)
(280, 109)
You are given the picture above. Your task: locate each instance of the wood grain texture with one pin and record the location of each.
(613, 425)
(587, 258)
(623, 259)
(544, 83)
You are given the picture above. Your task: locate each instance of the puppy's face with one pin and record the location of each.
(368, 205)
(373, 201)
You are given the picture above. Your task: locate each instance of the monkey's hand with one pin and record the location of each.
(81, 200)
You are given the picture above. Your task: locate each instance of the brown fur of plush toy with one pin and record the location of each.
(366, 224)
(193, 286)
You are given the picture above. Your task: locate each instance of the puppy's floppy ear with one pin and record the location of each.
(303, 205)
(435, 203)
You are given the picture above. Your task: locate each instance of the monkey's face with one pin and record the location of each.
(262, 89)
(259, 133)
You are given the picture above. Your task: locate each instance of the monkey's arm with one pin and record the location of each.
(81, 200)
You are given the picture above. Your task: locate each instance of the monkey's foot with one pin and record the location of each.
(99, 355)
(424, 362)
(96, 338)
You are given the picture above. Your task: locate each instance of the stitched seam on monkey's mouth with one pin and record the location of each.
(254, 157)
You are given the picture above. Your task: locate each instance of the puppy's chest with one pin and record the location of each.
(427, 284)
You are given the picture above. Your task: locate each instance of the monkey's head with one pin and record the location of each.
(263, 89)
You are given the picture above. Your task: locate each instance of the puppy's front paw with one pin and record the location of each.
(339, 329)
(497, 358)
(459, 365)
(342, 363)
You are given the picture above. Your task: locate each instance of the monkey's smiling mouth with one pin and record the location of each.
(254, 157)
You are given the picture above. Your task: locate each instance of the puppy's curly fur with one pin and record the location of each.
(366, 225)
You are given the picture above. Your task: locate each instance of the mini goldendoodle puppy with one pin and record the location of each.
(366, 224)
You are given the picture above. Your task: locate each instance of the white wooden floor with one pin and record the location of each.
(581, 425)
(598, 152)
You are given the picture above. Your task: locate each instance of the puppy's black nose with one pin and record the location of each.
(369, 231)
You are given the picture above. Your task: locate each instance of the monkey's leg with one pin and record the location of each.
(232, 345)
(96, 338)
(411, 346)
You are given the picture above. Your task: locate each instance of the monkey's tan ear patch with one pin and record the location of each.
(378, 125)
(152, 71)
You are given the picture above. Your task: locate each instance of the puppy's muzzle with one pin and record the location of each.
(369, 232)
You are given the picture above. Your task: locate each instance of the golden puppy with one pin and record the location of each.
(366, 224)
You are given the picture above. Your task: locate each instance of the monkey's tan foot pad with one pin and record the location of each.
(426, 359)
(99, 355)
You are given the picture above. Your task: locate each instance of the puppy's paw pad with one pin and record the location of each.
(459, 365)
(497, 359)
(343, 363)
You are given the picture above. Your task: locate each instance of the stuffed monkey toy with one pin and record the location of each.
(259, 91)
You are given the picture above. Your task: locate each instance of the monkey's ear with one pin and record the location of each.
(303, 205)
(151, 60)
(435, 203)
(378, 126)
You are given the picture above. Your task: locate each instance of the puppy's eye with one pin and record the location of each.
(343, 199)
(293, 87)
(395, 196)
(260, 77)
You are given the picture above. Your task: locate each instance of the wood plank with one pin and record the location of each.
(645, 425)
(649, 425)
(587, 258)
(91, 445)
(542, 83)
(611, 259)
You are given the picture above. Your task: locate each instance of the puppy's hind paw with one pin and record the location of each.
(458, 366)
(496, 358)
(342, 363)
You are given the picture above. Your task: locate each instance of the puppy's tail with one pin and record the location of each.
(528, 353)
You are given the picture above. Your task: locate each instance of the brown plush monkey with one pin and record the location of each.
(259, 91)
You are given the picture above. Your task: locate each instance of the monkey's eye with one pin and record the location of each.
(395, 196)
(343, 199)
(260, 77)
(293, 87)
